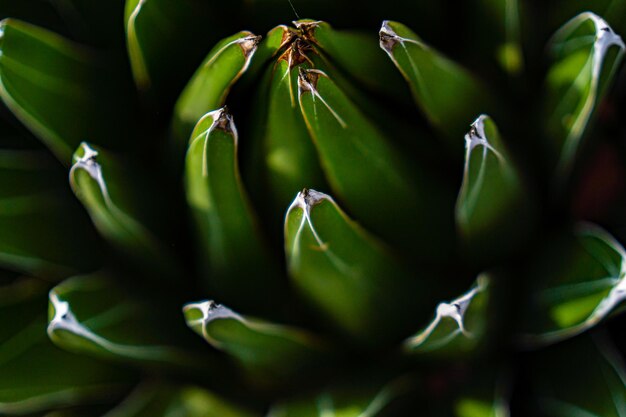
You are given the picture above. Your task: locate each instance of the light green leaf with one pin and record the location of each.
(575, 285)
(35, 375)
(56, 88)
(118, 201)
(92, 315)
(267, 351)
(36, 213)
(374, 180)
(584, 377)
(491, 194)
(458, 327)
(346, 275)
(151, 399)
(587, 53)
(447, 94)
(209, 86)
(228, 231)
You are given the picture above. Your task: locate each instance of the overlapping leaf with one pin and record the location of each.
(35, 375)
(583, 377)
(448, 95)
(36, 213)
(575, 285)
(269, 352)
(119, 203)
(227, 226)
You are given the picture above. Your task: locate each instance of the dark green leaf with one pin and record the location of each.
(209, 86)
(92, 315)
(492, 193)
(37, 213)
(56, 88)
(151, 399)
(584, 377)
(119, 202)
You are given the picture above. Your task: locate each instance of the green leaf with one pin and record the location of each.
(575, 285)
(447, 94)
(586, 55)
(583, 377)
(492, 193)
(458, 327)
(152, 399)
(229, 234)
(209, 86)
(290, 158)
(359, 399)
(92, 315)
(345, 274)
(367, 174)
(37, 213)
(119, 200)
(267, 351)
(357, 54)
(56, 88)
(35, 375)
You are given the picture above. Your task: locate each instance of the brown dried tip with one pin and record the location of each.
(307, 29)
(248, 44)
(388, 38)
(307, 79)
(296, 53)
(224, 121)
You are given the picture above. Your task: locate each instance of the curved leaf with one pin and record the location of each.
(492, 193)
(151, 399)
(373, 179)
(209, 86)
(448, 95)
(36, 213)
(35, 375)
(587, 54)
(575, 285)
(58, 90)
(267, 351)
(92, 315)
(237, 256)
(119, 202)
(345, 274)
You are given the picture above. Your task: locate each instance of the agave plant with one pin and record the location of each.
(318, 221)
